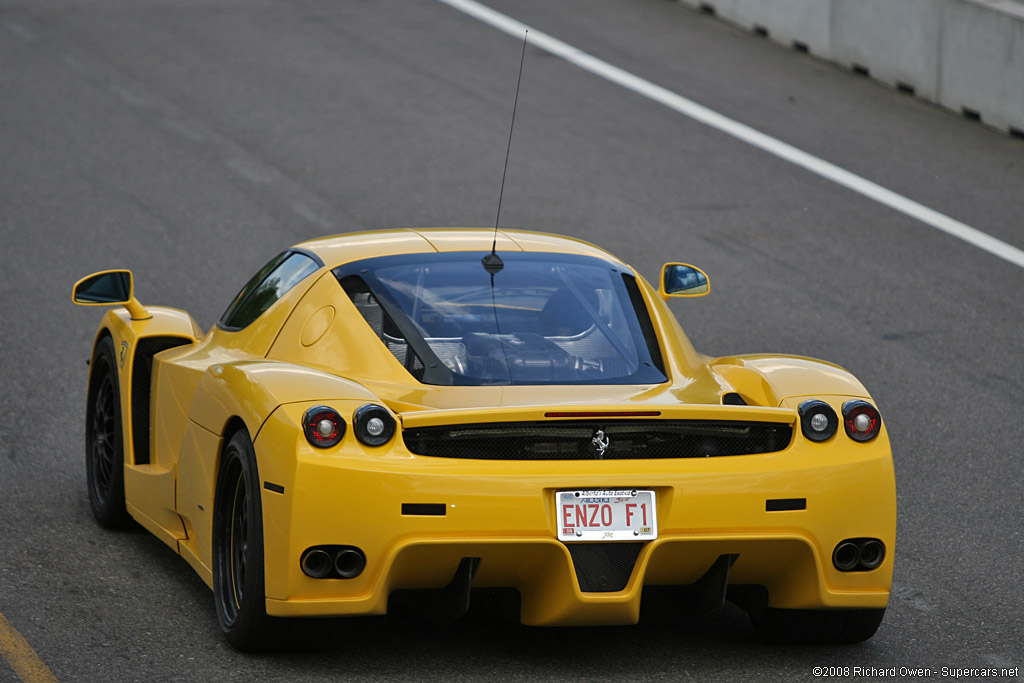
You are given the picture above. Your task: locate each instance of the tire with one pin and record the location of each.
(239, 586)
(238, 581)
(817, 627)
(104, 435)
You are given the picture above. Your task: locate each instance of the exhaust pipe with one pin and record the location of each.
(316, 563)
(349, 563)
(872, 552)
(858, 555)
(846, 556)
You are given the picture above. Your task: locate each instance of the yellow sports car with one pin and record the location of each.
(420, 414)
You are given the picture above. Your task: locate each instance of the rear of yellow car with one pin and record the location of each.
(561, 438)
(422, 513)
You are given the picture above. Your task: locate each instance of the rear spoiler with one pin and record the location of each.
(429, 418)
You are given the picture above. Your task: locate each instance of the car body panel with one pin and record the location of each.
(712, 506)
(775, 377)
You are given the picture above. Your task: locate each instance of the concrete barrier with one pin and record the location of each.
(982, 57)
(897, 42)
(967, 55)
(807, 22)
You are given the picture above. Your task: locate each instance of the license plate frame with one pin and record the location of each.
(606, 515)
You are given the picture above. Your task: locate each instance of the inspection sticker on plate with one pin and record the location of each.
(626, 515)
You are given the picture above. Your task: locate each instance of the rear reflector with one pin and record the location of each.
(635, 413)
(784, 504)
(436, 509)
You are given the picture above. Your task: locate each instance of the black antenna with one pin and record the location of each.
(492, 262)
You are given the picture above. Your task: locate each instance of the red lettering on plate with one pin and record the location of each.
(606, 519)
(629, 513)
(581, 515)
(565, 516)
(594, 509)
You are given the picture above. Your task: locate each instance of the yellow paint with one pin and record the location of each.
(197, 472)
(768, 379)
(317, 325)
(313, 347)
(21, 657)
(149, 492)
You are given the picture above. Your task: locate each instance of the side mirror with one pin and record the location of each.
(109, 287)
(682, 279)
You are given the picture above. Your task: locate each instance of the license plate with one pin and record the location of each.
(626, 515)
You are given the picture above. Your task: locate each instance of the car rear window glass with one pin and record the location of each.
(268, 285)
(382, 324)
(542, 319)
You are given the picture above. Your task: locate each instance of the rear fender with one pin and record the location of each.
(771, 379)
(229, 395)
(251, 390)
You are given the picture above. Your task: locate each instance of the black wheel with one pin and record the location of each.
(239, 591)
(238, 584)
(817, 627)
(104, 449)
(238, 572)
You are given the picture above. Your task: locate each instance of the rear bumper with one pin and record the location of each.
(504, 514)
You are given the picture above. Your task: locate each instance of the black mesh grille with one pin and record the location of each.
(603, 567)
(142, 378)
(580, 440)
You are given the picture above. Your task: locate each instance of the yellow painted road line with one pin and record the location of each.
(21, 657)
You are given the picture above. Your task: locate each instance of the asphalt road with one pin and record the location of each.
(191, 140)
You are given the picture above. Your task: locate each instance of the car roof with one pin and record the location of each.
(356, 246)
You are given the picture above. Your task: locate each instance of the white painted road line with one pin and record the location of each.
(742, 132)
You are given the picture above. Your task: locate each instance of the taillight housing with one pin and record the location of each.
(861, 420)
(373, 424)
(818, 421)
(323, 426)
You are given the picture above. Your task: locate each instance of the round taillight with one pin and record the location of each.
(323, 426)
(374, 425)
(862, 420)
(818, 421)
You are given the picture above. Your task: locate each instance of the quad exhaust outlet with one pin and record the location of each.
(858, 554)
(333, 562)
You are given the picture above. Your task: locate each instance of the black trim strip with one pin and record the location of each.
(434, 509)
(306, 252)
(784, 504)
(643, 318)
(142, 386)
(574, 439)
(276, 488)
